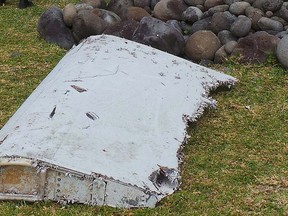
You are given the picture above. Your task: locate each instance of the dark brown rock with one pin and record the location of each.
(256, 47)
(87, 23)
(169, 9)
(136, 13)
(202, 45)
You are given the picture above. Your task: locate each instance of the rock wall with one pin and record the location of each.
(200, 30)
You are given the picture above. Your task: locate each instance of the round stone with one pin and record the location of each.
(269, 14)
(69, 12)
(169, 9)
(192, 14)
(269, 24)
(225, 36)
(229, 2)
(229, 47)
(283, 13)
(254, 14)
(218, 8)
(142, 3)
(222, 21)
(238, 8)
(203, 24)
(194, 2)
(202, 45)
(272, 5)
(282, 50)
(220, 55)
(212, 3)
(136, 13)
(282, 34)
(95, 3)
(241, 26)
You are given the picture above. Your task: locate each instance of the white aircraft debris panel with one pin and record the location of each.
(106, 126)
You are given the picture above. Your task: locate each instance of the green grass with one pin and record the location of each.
(236, 161)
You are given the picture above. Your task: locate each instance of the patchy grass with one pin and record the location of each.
(236, 161)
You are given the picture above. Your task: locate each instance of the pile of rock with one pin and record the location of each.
(200, 30)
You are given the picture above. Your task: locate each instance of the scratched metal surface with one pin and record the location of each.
(112, 107)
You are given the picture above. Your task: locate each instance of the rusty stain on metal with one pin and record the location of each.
(79, 89)
(13, 175)
(20, 181)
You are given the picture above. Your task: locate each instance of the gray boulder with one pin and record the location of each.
(238, 8)
(241, 27)
(160, 35)
(229, 2)
(225, 36)
(212, 3)
(282, 34)
(215, 9)
(230, 46)
(283, 13)
(142, 3)
(282, 50)
(269, 24)
(194, 2)
(254, 14)
(192, 14)
(52, 28)
(203, 24)
(268, 5)
(222, 21)
(176, 24)
(258, 4)
(272, 5)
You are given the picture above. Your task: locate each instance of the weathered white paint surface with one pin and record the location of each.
(116, 108)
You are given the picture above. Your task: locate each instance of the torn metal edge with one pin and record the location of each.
(187, 119)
